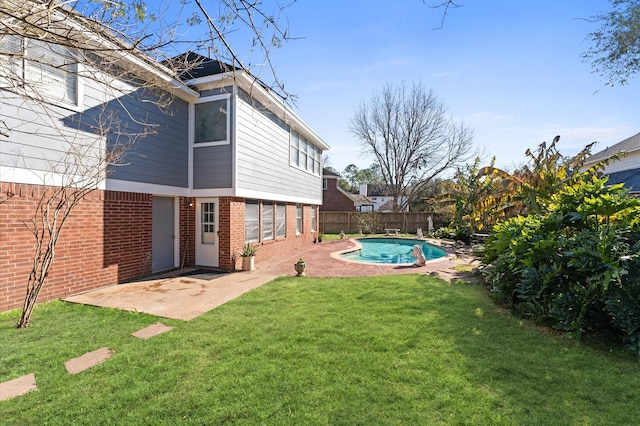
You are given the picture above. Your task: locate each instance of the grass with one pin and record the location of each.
(408, 349)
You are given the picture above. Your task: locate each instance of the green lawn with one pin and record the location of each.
(388, 350)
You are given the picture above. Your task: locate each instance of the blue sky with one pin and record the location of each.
(511, 70)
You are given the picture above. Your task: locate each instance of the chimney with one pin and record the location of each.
(363, 189)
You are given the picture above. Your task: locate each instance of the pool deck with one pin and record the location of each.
(323, 261)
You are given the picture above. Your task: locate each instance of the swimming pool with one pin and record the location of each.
(391, 251)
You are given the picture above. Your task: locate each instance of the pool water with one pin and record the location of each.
(391, 251)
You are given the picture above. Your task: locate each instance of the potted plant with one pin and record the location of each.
(300, 266)
(248, 257)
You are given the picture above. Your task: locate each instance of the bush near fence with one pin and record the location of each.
(334, 222)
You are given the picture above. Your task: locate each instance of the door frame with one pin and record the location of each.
(207, 254)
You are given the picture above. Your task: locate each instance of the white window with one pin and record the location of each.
(324, 183)
(304, 155)
(299, 218)
(295, 153)
(208, 220)
(318, 162)
(281, 220)
(267, 221)
(50, 70)
(314, 218)
(211, 122)
(251, 221)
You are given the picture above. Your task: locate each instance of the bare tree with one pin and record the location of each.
(408, 131)
(445, 6)
(42, 43)
(68, 180)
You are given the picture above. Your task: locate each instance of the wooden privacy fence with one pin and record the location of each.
(351, 222)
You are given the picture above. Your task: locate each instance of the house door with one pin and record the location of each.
(207, 232)
(163, 234)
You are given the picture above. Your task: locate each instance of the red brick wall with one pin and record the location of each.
(271, 248)
(106, 240)
(187, 231)
(334, 200)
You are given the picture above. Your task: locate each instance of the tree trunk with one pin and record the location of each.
(33, 289)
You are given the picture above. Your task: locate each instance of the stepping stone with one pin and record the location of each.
(152, 330)
(88, 360)
(16, 387)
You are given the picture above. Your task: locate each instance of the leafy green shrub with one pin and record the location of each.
(575, 267)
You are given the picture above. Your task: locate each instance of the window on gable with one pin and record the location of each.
(212, 122)
(50, 70)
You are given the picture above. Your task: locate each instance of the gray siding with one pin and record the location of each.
(212, 167)
(263, 157)
(38, 137)
(40, 134)
(160, 158)
(226, 90)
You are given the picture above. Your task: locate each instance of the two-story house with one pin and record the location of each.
(382, 197)
(227, 163)
(336, 199)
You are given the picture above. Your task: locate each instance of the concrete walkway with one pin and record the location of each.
(177, 296)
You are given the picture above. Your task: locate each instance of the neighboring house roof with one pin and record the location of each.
(329, 174)
(361, 200)
(628, 145)
(626, 169)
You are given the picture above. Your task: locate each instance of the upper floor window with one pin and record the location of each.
(303, 154)
(211, 122)
(47, 70)
(324, 183)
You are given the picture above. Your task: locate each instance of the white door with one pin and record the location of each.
(207, 232)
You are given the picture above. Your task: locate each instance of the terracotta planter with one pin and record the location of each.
(300, 267)
(248, 263)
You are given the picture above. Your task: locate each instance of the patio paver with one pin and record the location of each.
(152, 330)
(16, 387)
(88, 360)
